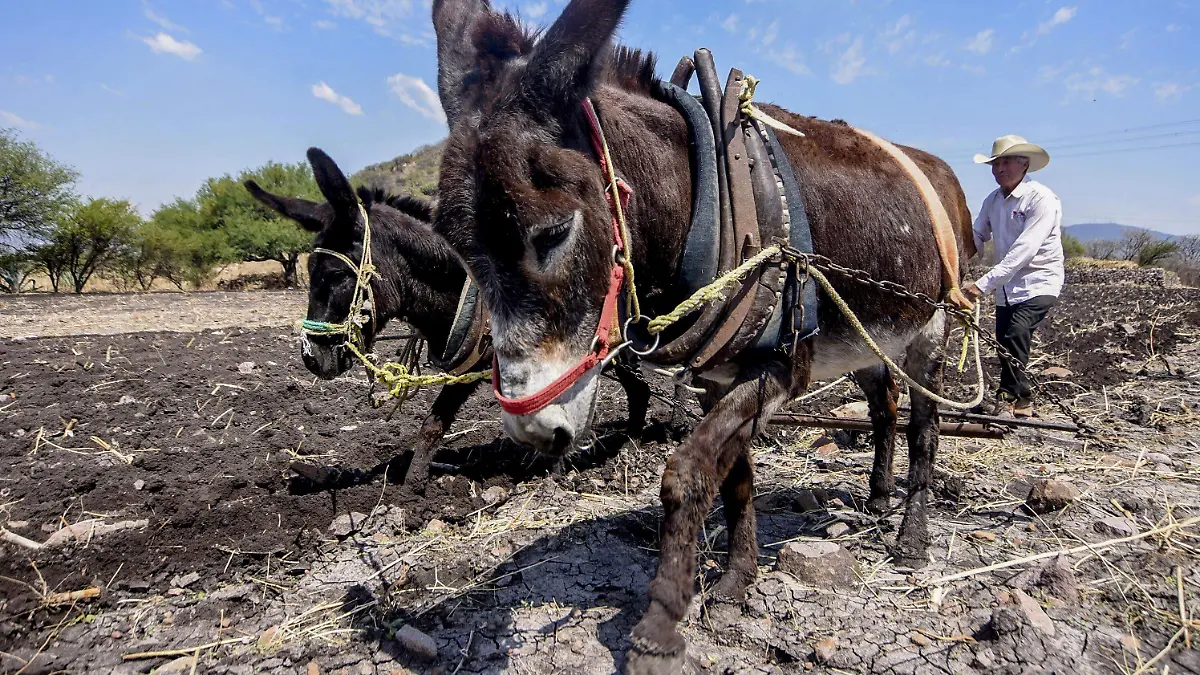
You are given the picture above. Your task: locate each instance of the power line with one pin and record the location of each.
(1124, 150)
(1075, 137)
(1131, 139)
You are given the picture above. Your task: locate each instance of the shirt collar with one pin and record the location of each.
(1021, 188)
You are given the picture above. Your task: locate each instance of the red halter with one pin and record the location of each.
(534, 402)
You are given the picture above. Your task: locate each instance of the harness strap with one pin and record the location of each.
(943, 231)
(534, 402)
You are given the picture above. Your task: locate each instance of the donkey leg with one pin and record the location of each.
(881, 390)
(923, 363)
(689, 484)
(637, 392)
(737, 497)
(445, 408)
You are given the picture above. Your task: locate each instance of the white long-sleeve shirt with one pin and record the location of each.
(1027, 229)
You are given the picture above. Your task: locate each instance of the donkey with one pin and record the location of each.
(522, 201)
(419, 281)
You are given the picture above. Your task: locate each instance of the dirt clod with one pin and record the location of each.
(1033, 612)
(347, 524)
(1054, 577)
(983, 535)
(1046, 496)
(836, 530)
(825, 649)
(818, 563)
(417, 643)
(495, 495)
(1116, 527)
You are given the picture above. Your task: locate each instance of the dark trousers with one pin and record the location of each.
(1014, 329)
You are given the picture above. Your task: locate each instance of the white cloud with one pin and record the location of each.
(982, 42)
(160, 19)
(535, 11)
(938, 60)
(1063, 15)
(1091, 83)
(165, 44)
(730, 23)
(897, 37)
(1170, 91)
(324, 24)
(791, 60)
(326, 93)
(414, 93)
(12, 120)
(115, 92)
(1175, 27)
(385, 17)
(851, 64)
(771, 33)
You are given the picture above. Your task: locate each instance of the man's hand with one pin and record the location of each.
(972, 291)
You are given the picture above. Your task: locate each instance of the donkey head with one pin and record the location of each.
(521, 196)
(339, 227)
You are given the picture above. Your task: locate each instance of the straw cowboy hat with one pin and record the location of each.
(1015, 146)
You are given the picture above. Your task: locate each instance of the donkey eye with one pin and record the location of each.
(548, 239)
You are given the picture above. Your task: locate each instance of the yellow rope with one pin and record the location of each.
(633, 307)
(746, 97)
(398, 380)
(712, 291)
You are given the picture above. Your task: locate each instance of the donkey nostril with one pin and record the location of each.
(562, 440)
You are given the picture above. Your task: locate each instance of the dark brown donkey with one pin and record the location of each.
(419, 281)
(522, 200)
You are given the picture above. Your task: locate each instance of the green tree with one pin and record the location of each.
(1073, 247)
(34, 191)
(256, 233)
(87, 239)
(1155, 253)
(176, 244)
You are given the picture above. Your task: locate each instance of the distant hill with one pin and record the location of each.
(413, 174)
(1107, 231)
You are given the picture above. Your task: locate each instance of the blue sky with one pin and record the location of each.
(148, 98)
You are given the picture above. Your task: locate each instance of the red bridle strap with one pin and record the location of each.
(534, 402)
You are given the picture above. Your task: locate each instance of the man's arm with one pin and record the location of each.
(1040, 219)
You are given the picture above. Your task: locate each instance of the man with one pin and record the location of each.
(1024, 219)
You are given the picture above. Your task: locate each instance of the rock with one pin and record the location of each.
(1116, 527)
(87, 530)
(435, 525)
(347, 524)
(1158, 458)
(837, 530)
(18, 524)
(855, 409)
(495, 495)
(818, 563)
(1054, 577)
(983, 535)
(1113, 460)
(246, 367)
(313, 668)
(417, 643)
(1050, 495)
(1129, 328)
(920, 640)
(1057, 371)
(268, 640)
(127, 400)
(232, 593)
(185, 580)
(806, 501)
(1033, 612)
(825, 649)
(836, 503)
(182, 664)
(1131, 644)
(139, 484)
(310, 408)
(824, 447)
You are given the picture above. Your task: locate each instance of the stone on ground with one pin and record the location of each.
(820, 564)
(1051, 495)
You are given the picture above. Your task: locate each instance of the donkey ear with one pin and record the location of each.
(562, 65)
(332, 182)
(452, 23)
(300, 210)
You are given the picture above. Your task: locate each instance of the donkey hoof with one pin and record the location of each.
(731, 588)
(639, 662)
(658, 649)
(911, 551)
(878, 505)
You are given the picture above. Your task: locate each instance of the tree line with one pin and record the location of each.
(48, 229)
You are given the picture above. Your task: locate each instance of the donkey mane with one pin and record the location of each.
(417, 207)
(500, 37)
